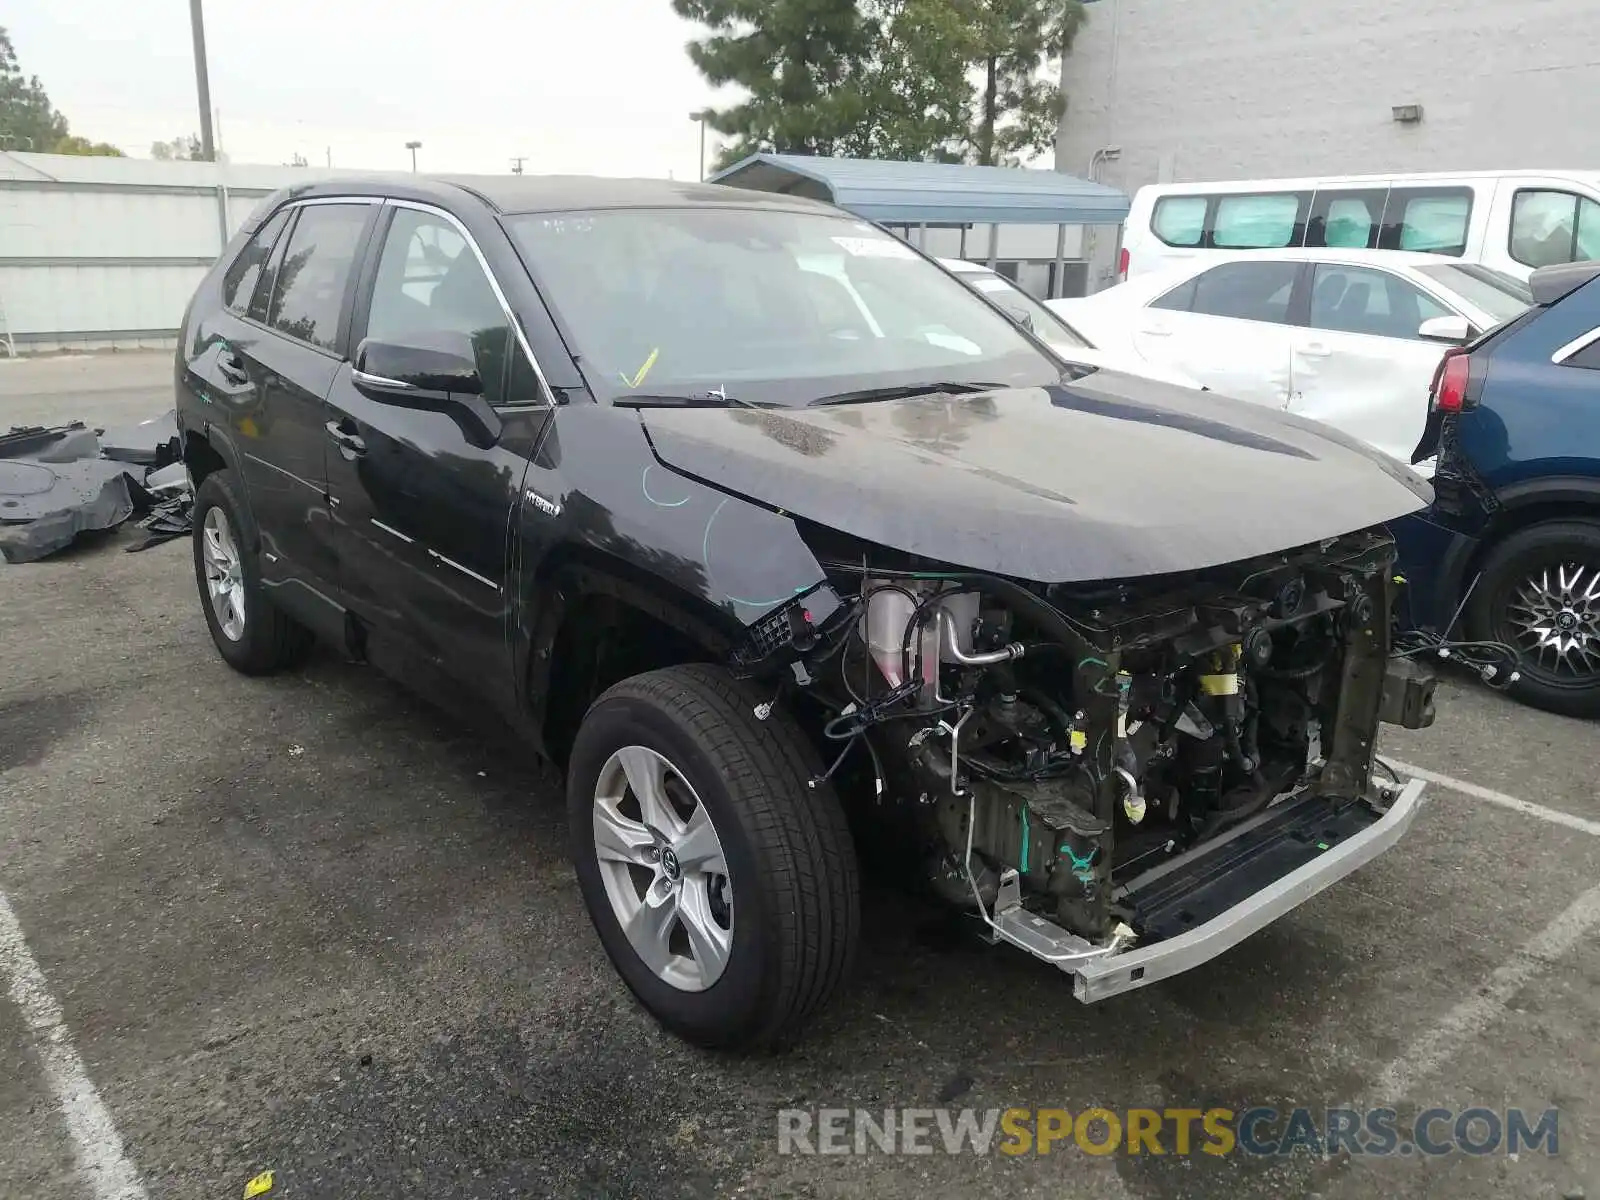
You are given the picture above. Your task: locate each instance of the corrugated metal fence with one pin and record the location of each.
(98, 253)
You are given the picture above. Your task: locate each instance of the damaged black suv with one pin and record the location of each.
(754, 519)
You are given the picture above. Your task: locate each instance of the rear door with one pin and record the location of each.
(422, 510)
(287, 298)
(1227, 328)
(1359, 364)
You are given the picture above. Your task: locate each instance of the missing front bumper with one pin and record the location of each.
(1109, 972)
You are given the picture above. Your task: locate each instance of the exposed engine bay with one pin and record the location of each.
(1069, 754)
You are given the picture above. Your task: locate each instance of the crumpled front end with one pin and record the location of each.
(1121, 778)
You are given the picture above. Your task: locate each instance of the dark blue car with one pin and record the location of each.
(1510, 551)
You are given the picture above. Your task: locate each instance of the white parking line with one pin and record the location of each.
(1554, 815)
(95, 1141)
(1467, 1021)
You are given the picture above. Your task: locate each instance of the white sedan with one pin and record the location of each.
(1052, 329)
(1347, 337)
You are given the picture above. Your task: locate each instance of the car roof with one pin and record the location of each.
(967, 265)
(558, 193)
(1388, 258)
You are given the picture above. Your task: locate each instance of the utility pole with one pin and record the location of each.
(413, 147)
(516, 164)
(701, 115)
(208, 145)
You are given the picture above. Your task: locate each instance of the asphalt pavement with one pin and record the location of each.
(313, 925)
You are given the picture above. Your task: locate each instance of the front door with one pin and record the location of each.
(1359, 364)
(422, 510)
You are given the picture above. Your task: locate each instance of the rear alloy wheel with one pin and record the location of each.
(1540, 593)
(249, 632)
(723, 887)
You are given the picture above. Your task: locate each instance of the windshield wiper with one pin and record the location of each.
(714, 399)
(902, 392)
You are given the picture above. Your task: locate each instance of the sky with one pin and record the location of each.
(575, 86)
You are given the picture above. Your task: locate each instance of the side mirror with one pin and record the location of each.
(1454, 330)
(1018, 314)
(434, 362)
(433, 372)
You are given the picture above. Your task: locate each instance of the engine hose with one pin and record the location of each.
(1051, 708)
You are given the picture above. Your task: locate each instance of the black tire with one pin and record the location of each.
(269, 640)
(1521, 556)
(790, 860)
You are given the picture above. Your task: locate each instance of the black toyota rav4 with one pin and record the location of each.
(768, 531)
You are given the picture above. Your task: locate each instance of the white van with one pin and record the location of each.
(1512, 221)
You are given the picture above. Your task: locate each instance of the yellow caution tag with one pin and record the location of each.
(644, 370)
(1080, 741)
(258, 1186)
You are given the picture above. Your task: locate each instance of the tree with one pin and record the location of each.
(179, 149)
(1017, 112)
(73, 144)
(28, 121)
(800, 63)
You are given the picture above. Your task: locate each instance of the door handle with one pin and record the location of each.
(1315, 350)
(1157, 331)
(232, 369)
(349, 443)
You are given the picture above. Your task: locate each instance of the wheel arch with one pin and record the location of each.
(598, 619)
(1523, 505)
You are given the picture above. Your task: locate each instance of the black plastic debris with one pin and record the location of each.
(44, 506)
(60, 443)
(152, 443)
(57, 482)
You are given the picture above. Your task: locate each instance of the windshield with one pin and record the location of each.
(1500, 295)
(1046, 323)
(762, 306)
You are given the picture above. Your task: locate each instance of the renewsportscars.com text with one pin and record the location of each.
(1166, 1131)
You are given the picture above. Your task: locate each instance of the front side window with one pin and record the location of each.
(1500, 295)
(1246, 291)
(763, 304)
(1550, 227)
(314, 273)
(244, 272)
(1180, 220)
(1256, 222)
(1363, 300)
(430, 281)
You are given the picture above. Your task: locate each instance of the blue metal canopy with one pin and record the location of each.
(933, 193)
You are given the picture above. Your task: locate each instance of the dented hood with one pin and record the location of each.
(1108, 476)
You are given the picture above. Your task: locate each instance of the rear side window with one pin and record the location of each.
(314, 273)
(1256, 222)
(1550, 227)
(244, 272)
(1346, 219)
(1348, 299)
(1242, 291)
(1180, 220)
(1431, 220)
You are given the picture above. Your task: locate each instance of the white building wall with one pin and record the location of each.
(105, 252)
(1240, 89)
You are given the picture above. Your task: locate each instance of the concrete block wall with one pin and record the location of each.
(1241, 89)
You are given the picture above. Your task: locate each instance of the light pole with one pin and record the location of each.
(413, 147)
(208, 145)
(701, 116)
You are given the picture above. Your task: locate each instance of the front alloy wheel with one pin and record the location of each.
(663, 868)
(722, 885)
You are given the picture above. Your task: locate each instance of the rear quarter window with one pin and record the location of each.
(1180, 220)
